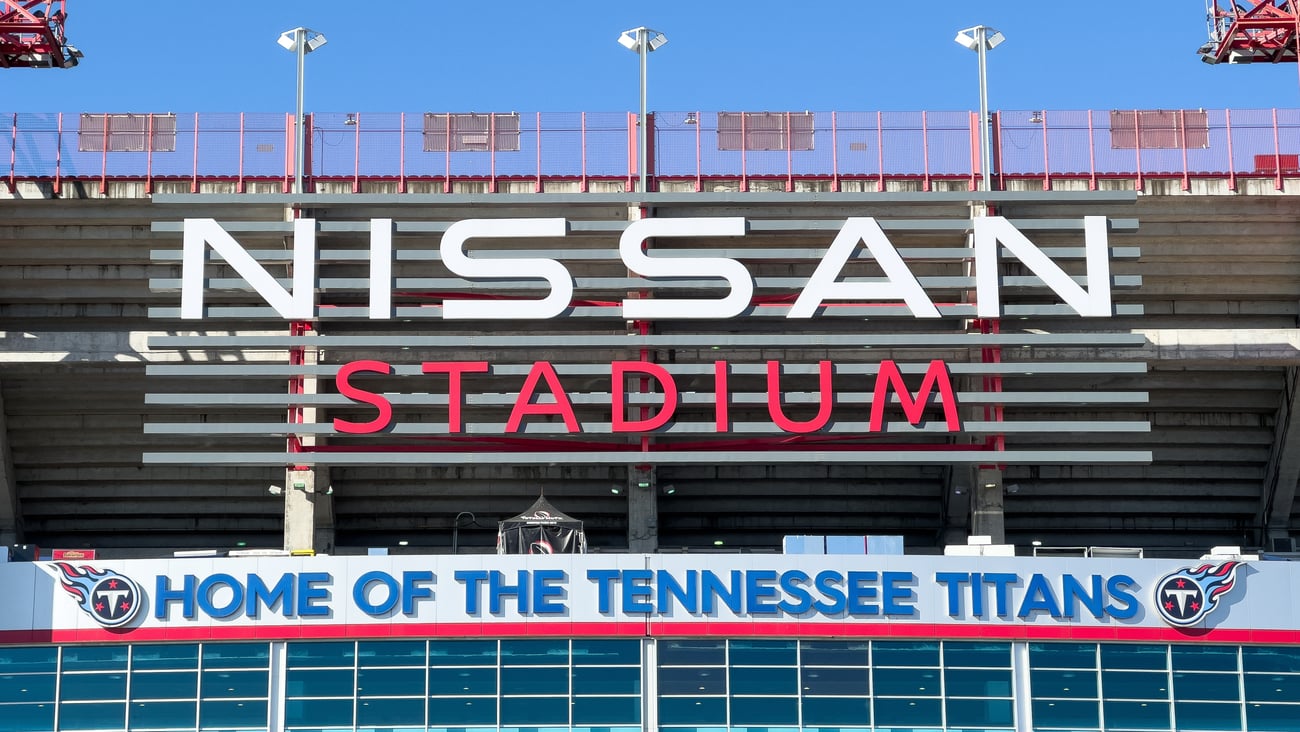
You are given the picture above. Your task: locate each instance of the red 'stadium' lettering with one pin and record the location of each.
(618, 411)
(935, 375)
(524, 405)
(341, 380)
(455, 399)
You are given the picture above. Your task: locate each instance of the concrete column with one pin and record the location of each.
(986, 506)
(642, 510)
(11, 517)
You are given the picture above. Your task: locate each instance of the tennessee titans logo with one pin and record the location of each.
(541, 546)
(1185, 597)
(113, 600)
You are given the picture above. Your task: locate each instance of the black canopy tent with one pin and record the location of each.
(542, 529)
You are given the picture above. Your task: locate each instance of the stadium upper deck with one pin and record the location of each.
(532, 152)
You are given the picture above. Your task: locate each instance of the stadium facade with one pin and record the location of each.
(813, 331)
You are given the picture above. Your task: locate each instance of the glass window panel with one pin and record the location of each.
(316, 682)
(977, 655)
(607, 710)
(692, 653)
(164, 715)
(606, 652)
(318, 712)
(27, 718)
(1062, 655)
(165, 657)
(1261, 658)
(95, 658)
(1136, 657)
(834, 653)
(29, 688)
(321, 655)
(764, 680)
(1218, 717)
(390, 653)
(835, 681)
(763, 653)
(607, 680)
(233, 684)
(1135, 684)
(535, 653)
(848, 711)
(905, 653)
(225, 714)
(93, 687)
(462, 681)
(1271, 688)
(692, 710)
(23, 660)
(977, 682)
(534, 681)
(534, 710)
(463, 653)
(692, 681)
(1208, 687)
(1077, 715)
(390, 712)
(905, 682)
(1069, 684)
(1203, 658)
(1152, 715)
(165, 685)
(92, 716)
(980, 713)
(463, 712)
(390, 682)
(236, 655)
(908, 713)
(764, 710)
(1273, 717)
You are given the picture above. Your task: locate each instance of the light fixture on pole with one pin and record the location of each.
(642, 41)
(301, 41)
(981, 39)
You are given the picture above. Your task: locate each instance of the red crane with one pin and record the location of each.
(31, 35)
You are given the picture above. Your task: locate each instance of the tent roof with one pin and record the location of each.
(542, 513)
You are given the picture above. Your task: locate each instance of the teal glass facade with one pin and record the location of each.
(620, 685)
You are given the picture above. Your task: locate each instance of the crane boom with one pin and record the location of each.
(32, 35)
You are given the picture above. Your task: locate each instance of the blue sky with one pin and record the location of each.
(753, 55)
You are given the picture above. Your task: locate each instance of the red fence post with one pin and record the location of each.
(972, 121)
(925, 152)
(194, 172)
(401, 154)
(1277, 155)
(880, 152)
(58, 158)
(148, 159)
(13, 155)
(1232, 164)
(356, 155)
(103, 162)
(1182, 140)
(582, 186)
(1047, 164)
(699, 165)
(240, 186)
(1092, 155)
(1137, 148)
(789, 155)
(835, 155)
(538, 187)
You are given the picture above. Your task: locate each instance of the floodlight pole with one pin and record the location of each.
(986, 134)
(642, 40)
(300, 49)
(642, 52)
(301, 41)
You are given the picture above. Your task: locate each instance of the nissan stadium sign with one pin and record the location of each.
(667, 340)
(649, 595)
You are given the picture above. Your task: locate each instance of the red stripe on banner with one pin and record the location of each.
(638, 629)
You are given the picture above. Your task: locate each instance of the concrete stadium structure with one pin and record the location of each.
(812, 358)
(1205, 279)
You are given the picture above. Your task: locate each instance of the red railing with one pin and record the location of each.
(692, 150)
